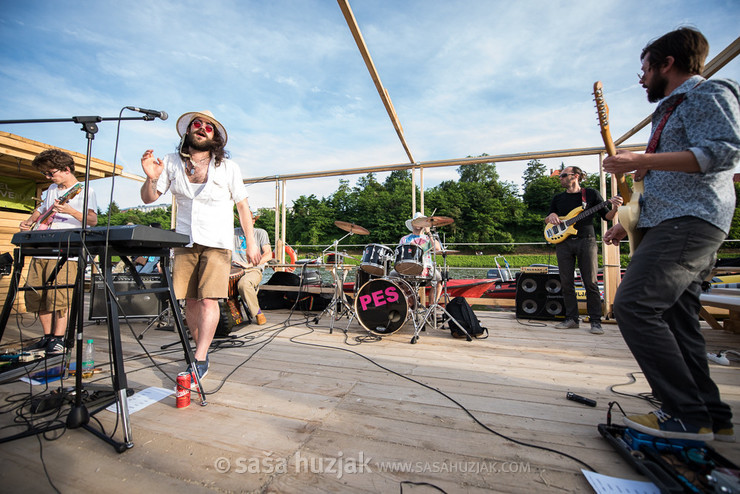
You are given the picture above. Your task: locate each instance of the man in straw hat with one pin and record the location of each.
(205, 184)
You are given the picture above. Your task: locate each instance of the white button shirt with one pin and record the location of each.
(208, 216)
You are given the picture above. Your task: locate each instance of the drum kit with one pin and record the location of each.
(388, 282)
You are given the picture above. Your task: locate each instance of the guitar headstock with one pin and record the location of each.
(602, 109)
(602, 113)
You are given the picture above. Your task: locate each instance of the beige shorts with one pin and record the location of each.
(201, 272)
(49, 299)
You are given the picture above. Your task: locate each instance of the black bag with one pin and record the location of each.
(460, 310)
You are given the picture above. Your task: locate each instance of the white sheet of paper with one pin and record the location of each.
(603, 484)
(143, 399)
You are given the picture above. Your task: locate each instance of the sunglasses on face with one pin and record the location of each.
(197, 124)
(50, 173)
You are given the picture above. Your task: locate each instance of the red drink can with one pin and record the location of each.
(182, 391)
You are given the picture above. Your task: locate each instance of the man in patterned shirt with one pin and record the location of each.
(685, 215)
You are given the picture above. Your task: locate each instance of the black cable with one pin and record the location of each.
(443, 394)
(427, 484)
(643, 396)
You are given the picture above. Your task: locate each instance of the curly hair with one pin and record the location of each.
(53, 159)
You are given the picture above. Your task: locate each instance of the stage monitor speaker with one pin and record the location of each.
(539, 296)
(138, 305)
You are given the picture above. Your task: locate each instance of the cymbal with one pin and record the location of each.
(351, 228)
(428, 221)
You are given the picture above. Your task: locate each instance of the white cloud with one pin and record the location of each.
(287, 80)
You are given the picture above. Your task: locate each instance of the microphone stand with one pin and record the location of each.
(78, 415)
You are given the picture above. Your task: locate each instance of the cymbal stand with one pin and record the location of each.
(431, 311)
(338, 307)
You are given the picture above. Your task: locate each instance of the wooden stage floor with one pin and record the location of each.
(295, 409)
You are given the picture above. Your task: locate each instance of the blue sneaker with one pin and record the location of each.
(659, 424)
(201, 366)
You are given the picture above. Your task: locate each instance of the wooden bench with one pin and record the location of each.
(725, 298)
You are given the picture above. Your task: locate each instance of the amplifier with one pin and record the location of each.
(137, 305)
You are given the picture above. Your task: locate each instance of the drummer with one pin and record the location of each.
(420, 236)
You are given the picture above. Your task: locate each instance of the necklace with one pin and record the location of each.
(191, 167)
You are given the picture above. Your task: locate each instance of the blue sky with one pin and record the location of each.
(288, 82)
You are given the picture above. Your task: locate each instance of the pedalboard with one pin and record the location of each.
(674, 466)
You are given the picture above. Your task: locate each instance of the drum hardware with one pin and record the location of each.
(339, 307)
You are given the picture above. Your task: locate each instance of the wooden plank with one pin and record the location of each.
(290, 391)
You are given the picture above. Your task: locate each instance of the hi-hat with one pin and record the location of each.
(351, 228)
(429, 221)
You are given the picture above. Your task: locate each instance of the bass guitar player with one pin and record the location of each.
(579, 246)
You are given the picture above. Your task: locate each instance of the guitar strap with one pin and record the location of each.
(653, 144)
(583, 198)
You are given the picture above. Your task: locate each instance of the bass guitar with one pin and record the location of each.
(557, 233)
(45, 220)
(629, 211)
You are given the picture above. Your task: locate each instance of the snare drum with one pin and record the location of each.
(409, 260)
(384, 305)
(375, 259)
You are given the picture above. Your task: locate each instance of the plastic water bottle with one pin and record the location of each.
(88, 359)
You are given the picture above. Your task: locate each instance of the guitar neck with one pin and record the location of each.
(585, 214)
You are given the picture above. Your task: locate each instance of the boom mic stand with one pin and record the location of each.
(78, 415)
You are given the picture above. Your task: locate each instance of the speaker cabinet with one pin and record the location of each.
(539, 296)
(138, 305)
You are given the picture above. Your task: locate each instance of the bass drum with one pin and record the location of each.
(384, 305)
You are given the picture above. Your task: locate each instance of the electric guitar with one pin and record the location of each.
(45, 220)
(629, 211)
(557, 233)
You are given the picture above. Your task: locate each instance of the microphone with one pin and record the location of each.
(154, 113)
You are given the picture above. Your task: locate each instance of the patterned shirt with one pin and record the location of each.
(707, 123)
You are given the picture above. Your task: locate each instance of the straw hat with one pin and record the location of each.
(187, 118)
(408, 222)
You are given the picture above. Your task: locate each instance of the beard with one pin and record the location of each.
(656, 89)
(203, 145)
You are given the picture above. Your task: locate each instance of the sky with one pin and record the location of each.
(287, 80)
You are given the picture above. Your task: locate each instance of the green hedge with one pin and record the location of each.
(516, 261)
